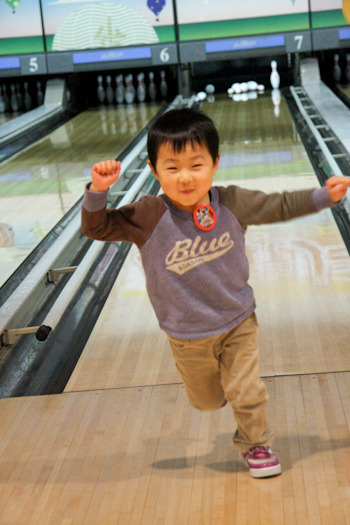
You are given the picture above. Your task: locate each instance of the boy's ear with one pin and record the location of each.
(216, 163)
(153, 169)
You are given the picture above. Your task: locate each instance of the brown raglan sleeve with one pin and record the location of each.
(256, 207)
(134, 222)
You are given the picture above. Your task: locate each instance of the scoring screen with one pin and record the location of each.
(207, 19)
(77, 24)
(329, 13)
(20, 27)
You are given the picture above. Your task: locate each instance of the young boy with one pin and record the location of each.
(191, 241)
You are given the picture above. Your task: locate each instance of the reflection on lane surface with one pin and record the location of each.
(259, 150)
(41, 183)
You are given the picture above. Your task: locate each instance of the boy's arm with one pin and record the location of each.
(133, 222)
(96, 221)
(256, 207)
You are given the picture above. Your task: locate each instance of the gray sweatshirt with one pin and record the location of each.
(197, 280)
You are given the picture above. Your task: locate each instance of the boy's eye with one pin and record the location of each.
(197, 166)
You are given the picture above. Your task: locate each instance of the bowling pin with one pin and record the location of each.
(274, 77)
(336, 69)
(347, 69)
(39, 94)
(27, 98)
(236, 87)
(6, 98)
(252, 85)
(152, 90)
(129, 90)
(276, 100)
(2, 102)
(101, 94)
(163, 85)
(13, 99)
(19, 97)
(141, 90)
(210, 89)
(201, 95)
(120, 89)
(109, 90)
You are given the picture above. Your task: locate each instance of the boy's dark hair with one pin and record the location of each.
(180, 126)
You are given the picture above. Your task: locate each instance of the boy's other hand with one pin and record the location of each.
(104, 174)
(337, 187)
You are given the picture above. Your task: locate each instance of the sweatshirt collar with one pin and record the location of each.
(214, 200)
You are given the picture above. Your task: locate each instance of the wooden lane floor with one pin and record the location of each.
(346, 89)
(40, 184)
(123, 446)
(143, 456)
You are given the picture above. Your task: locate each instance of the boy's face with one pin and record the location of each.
(187, 176)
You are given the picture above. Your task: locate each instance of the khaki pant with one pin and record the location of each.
(227, 367)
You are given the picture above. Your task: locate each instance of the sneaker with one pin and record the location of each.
(262, 462)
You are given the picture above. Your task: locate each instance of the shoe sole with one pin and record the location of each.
(265, 472)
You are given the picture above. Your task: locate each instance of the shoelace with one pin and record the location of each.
(261, 452)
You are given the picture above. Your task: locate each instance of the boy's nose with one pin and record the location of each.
(185, 177)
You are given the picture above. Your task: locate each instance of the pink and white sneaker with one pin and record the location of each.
(262, 462)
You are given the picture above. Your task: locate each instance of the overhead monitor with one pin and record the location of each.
(21, 29)
(329, 13)
(207, 19)
(78, 24)
(210, 30)
(330, 22)
(85, 36)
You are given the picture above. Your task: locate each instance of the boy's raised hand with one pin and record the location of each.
(104, 174)
(337, 187)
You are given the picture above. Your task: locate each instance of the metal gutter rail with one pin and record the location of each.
(303, 103)
(55, 314)
(327, 151)
(320, 140)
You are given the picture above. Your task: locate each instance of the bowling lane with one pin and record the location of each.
(346, 90)
(299, 270)
(41, 183)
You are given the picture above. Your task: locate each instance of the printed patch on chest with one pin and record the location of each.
(204, 217)
(188, 254)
